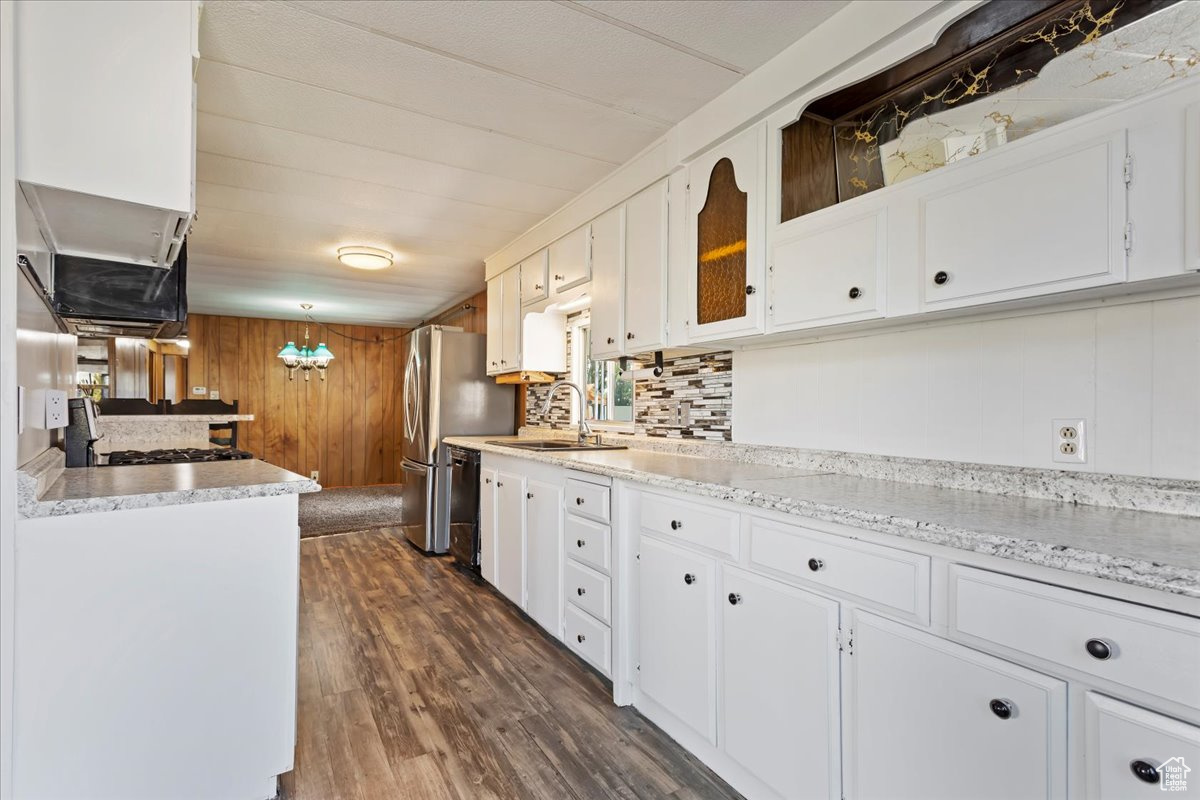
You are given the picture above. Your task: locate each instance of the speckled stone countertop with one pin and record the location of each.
(1139, 548)
(211, 418)
(96, 489)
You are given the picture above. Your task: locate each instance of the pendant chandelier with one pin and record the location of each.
(304, 358)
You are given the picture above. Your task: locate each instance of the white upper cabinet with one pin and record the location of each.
(629, 276)
(608, 277)
(1045, 217)
(534, 282)
(105, 125)
(570, 260)
(726, 239)
(495, 324)
(645, 290)
(510, 336)
(829, 268)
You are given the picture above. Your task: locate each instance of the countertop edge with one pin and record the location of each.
(95, 505)
(1134, 572)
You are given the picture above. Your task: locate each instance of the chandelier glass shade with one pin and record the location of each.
(304, 358)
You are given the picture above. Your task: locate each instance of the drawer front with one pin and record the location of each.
(707, 526)
(588, 589)
(587, 500)
(892, 579)
(1119, 736)
(588, 542)
(588, 638)
(1153, 651)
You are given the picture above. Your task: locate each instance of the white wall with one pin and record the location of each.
(8, 392)
(986, 391)
(45, 359)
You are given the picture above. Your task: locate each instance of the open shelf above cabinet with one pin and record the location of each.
(1002, 72)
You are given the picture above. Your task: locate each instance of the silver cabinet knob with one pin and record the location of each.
(581, 591)
(689, 578)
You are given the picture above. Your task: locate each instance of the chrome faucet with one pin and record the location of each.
(584, 430)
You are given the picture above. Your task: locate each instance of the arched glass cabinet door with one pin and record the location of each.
(721, 286)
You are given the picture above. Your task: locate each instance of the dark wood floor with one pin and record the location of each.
(416, 683)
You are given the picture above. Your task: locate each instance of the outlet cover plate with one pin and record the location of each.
(1068, 438)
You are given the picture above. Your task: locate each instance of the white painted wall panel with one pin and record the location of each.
(1124, 402)
(986, 391)
(1176, 388)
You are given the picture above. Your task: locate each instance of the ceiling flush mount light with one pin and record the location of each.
(304, 358)
(361, 257)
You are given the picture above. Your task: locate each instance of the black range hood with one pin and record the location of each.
(93, 297)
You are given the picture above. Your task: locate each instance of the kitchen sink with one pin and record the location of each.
(557, 444)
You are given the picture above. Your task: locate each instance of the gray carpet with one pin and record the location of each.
(349, 509)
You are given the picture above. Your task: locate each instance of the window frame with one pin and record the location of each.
(580, 344)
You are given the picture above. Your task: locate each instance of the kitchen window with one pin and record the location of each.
(608, 390)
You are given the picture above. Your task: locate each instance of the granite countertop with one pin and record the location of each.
(1139, 548)
(96, 489)
(176, 417)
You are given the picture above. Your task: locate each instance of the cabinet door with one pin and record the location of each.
(930, 719)
(510, 304)
(726, 237)
(495, 324)
(510, 536)
(534, 286)
(1134, 753)
(645, 289)
(607, 278)
(569, 260)
(829, 269)
(781, 697)
(1044, 218)
(487, 524)
(676, 634)
(543, 543)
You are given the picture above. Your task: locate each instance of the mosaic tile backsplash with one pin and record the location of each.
(704, 382)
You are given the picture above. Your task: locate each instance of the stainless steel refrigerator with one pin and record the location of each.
(446, 393)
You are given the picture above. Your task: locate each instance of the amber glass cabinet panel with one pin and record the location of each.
(721, 248)
(1004, 71)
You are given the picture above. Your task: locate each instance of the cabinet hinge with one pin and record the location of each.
(845, 640)
(1128, 169)
(1128, 237)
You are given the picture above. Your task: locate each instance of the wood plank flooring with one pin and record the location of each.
(417, 683)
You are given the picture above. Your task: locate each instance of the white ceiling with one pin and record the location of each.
(438, 130)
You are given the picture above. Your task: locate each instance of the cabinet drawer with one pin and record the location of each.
(892, 579)
(587, 499)
(588, 589)
(1119, 736)
(588, 638)
(587, 541)
(1153, 651)
(714, 528)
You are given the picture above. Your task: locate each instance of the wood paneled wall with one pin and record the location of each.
(348, 427)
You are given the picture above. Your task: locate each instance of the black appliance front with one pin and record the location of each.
(464, 507)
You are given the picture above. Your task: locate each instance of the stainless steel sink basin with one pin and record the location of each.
(556, 444)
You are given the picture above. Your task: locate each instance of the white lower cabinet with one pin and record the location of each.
(780, 698)
(510, 536)
(676, 616)
(928, 719)
(487, 525)
(1134, 753)
(543, 542)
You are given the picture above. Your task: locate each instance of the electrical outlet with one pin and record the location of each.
(213, 394)
(200, 390)
(56, 409)
(315, 475)
(1069, 438)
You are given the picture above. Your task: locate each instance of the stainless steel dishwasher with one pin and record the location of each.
(464, 506)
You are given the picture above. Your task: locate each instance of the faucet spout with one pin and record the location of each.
(584, 429)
